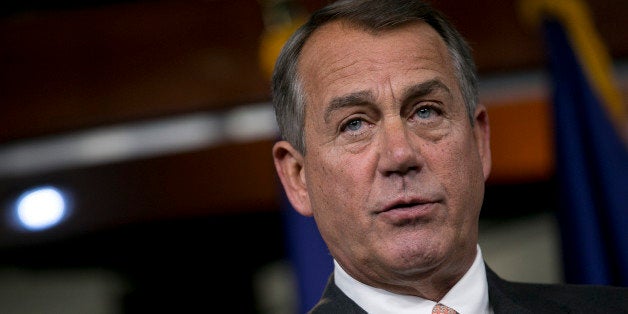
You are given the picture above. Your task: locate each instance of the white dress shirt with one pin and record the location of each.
(467, 296)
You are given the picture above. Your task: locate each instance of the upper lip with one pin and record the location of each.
(407, 202)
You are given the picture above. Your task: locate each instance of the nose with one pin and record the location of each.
(397, 153)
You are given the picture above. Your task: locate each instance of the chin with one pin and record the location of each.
(418, 257)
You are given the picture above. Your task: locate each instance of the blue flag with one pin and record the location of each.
(592, 170)
(308, 255)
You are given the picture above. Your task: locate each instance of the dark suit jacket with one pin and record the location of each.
(511, 297)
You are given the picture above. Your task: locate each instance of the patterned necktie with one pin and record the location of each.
(441, 309)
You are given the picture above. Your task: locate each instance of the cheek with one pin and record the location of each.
(338, 185)
(461, 173)
(332, 203)
(341, 174)
(326, 183)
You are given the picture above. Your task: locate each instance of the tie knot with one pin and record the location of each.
(442, 309)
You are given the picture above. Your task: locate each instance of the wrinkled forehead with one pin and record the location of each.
(332, 54)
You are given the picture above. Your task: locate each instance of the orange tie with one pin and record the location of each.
(441, 309)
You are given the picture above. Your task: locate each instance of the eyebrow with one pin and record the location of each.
(349, 100)
(424, 89)
(366, 97)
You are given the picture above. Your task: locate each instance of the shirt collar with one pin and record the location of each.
(469, 295)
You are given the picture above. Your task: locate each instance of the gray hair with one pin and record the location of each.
(371, 15)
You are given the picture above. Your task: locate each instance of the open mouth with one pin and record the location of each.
(405, 206)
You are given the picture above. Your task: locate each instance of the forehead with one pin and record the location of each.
(340, 56)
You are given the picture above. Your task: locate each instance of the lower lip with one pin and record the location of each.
(406, 215)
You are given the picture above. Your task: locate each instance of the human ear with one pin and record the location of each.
(482, 131)
(289, 164)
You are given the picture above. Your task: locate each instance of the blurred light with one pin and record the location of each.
(248, 123)
(136, 140)
(41, 208)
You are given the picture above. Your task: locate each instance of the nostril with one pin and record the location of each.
(403, 171)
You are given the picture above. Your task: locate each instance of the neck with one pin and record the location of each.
(431, 284)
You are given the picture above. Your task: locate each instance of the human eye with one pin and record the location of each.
(353, 125)
(356, 126)
(427, 112)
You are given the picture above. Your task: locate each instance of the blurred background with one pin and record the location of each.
(145, 130)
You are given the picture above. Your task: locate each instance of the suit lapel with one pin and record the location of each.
(500, 300)
(513, 297)
(335, 301)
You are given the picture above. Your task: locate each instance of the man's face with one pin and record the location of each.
(394, 171)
